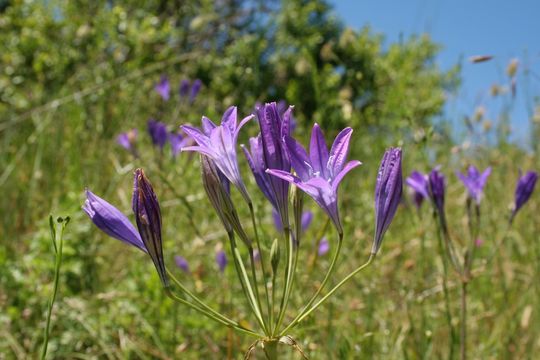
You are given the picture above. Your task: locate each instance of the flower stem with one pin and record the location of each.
(288, 277)
(58, 262)
(463, 333)
(325, 280)
(244, 281)
(227, 322)
(329, 294)
(447, 296)
(261, 256)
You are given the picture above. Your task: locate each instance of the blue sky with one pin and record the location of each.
(503, 28)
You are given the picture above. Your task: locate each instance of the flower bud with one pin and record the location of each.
(148, 218)
(387, 194)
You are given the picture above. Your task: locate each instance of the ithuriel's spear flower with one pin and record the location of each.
(268, 151)
(436, 190)
(320, 173)
(158, 133)
(163, 88)
(195, 88)
(127, 139)
(419, 183)
(219, 144)
(388, 191)
(475, 182)
(221, 260)
(148, 217)
(324, 247)
(184, 88)
(524, 189)
(182, 263)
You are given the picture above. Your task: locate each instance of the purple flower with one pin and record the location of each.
(307, 217)
(195, 88)
(147, 215)
(219, 144)
(524, 189)
(436, 190)
(184, 88)
(111, 221)
(182, 263)
(320, 174)
(324, 246)
(127, 139)
(163, 88)
(221, 260)
(475, 182)
(388, 191)
(267, 150)
(158, 133)
(418, 182)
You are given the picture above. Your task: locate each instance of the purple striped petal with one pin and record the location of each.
(339, 151)
(299, 158)
(318, 152)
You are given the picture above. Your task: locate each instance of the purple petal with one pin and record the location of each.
(197, 135)
(348, 167)
(229, 118)
(299, 158)
(318, 152)
(207, 125)
(339, 151)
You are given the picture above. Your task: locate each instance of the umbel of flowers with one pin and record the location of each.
(284, 171)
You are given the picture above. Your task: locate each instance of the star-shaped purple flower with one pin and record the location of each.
(320, 173)
(418, 182)
(475, 182)
(158, 133)
(182, 263)
(219, 144)
(221, 260)
(127, 139)
(437, 184)
(524, 189)
(163, 88)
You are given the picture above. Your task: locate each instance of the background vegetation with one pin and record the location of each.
(75, 74)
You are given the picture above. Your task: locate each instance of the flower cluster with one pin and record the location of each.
(283, 170)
